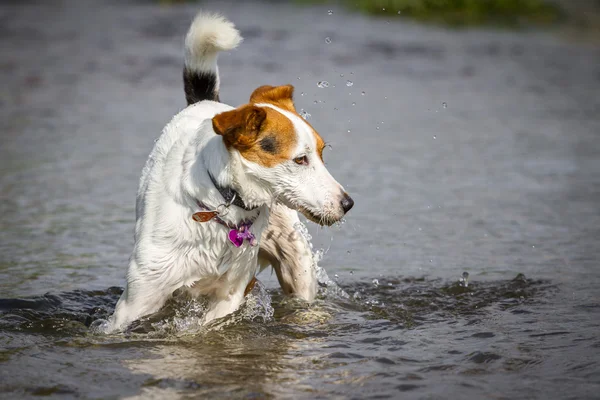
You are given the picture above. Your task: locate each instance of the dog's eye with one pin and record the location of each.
(302, 160)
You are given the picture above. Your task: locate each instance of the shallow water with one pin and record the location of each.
(503, 182)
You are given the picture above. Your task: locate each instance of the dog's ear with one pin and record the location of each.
(239, 127)
(281, 96)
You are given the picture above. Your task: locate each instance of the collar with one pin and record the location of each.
(229, 194)
(237, 233)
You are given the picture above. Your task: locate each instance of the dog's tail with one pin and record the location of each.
(208, 35)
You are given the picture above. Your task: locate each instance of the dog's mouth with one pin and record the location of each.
(324, 220)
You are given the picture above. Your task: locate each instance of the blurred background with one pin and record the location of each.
(466, 131)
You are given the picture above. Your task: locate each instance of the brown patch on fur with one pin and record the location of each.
(261, 134)
(240, 127)
(250, 286)
(320, 144)
(280, 96)
(245, 127)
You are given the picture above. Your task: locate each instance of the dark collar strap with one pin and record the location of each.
(229, 193)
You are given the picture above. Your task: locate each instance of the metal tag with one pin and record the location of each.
(204, 216)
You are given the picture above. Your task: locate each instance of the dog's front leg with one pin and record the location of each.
(142, 296)
(288, 252)
(224, 303)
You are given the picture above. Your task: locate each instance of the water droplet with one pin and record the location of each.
(316, 102)
(333, 85)
(304, 114)
(385, 98)
(349, 83)
(341, 75)
(383, 9)
(353, 103)
(349, 131)
(376, 282)
(399, 12)
(351, 73)
(155, 140)
(434, 137)
(298, 78)
(330, 12)
(351, 272)
(362, 93)
(328, 40)
(302, 94)
(335, 108)
(464, 280)
(323, 84)
(377, 127)
(445, 105)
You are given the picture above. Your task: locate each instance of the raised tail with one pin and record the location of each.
(208, 35)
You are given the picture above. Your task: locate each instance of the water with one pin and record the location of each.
(507, 193)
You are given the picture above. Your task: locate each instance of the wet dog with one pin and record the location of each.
(219, 194)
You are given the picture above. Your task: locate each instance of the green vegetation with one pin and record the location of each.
(462, 12)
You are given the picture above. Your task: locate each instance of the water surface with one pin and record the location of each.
(470, 151)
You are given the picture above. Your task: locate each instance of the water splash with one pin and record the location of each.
(464, 280)
(330, 12)
(349, 83)
(328, 286)
(305, 114)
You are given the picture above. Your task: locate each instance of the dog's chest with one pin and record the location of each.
(212, 254)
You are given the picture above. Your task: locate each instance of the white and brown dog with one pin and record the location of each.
(217, 195)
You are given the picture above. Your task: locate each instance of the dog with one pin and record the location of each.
(220, 193)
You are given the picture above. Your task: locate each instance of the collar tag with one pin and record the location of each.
(204, 216)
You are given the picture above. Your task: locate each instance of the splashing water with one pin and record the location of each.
(330, 12)
(305, 114)
(184, 315)
(329, 286)
(464, 280)
(349, 83)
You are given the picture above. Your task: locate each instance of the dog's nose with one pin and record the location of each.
(347, 203)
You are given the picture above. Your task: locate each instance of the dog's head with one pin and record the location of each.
(281, 154)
